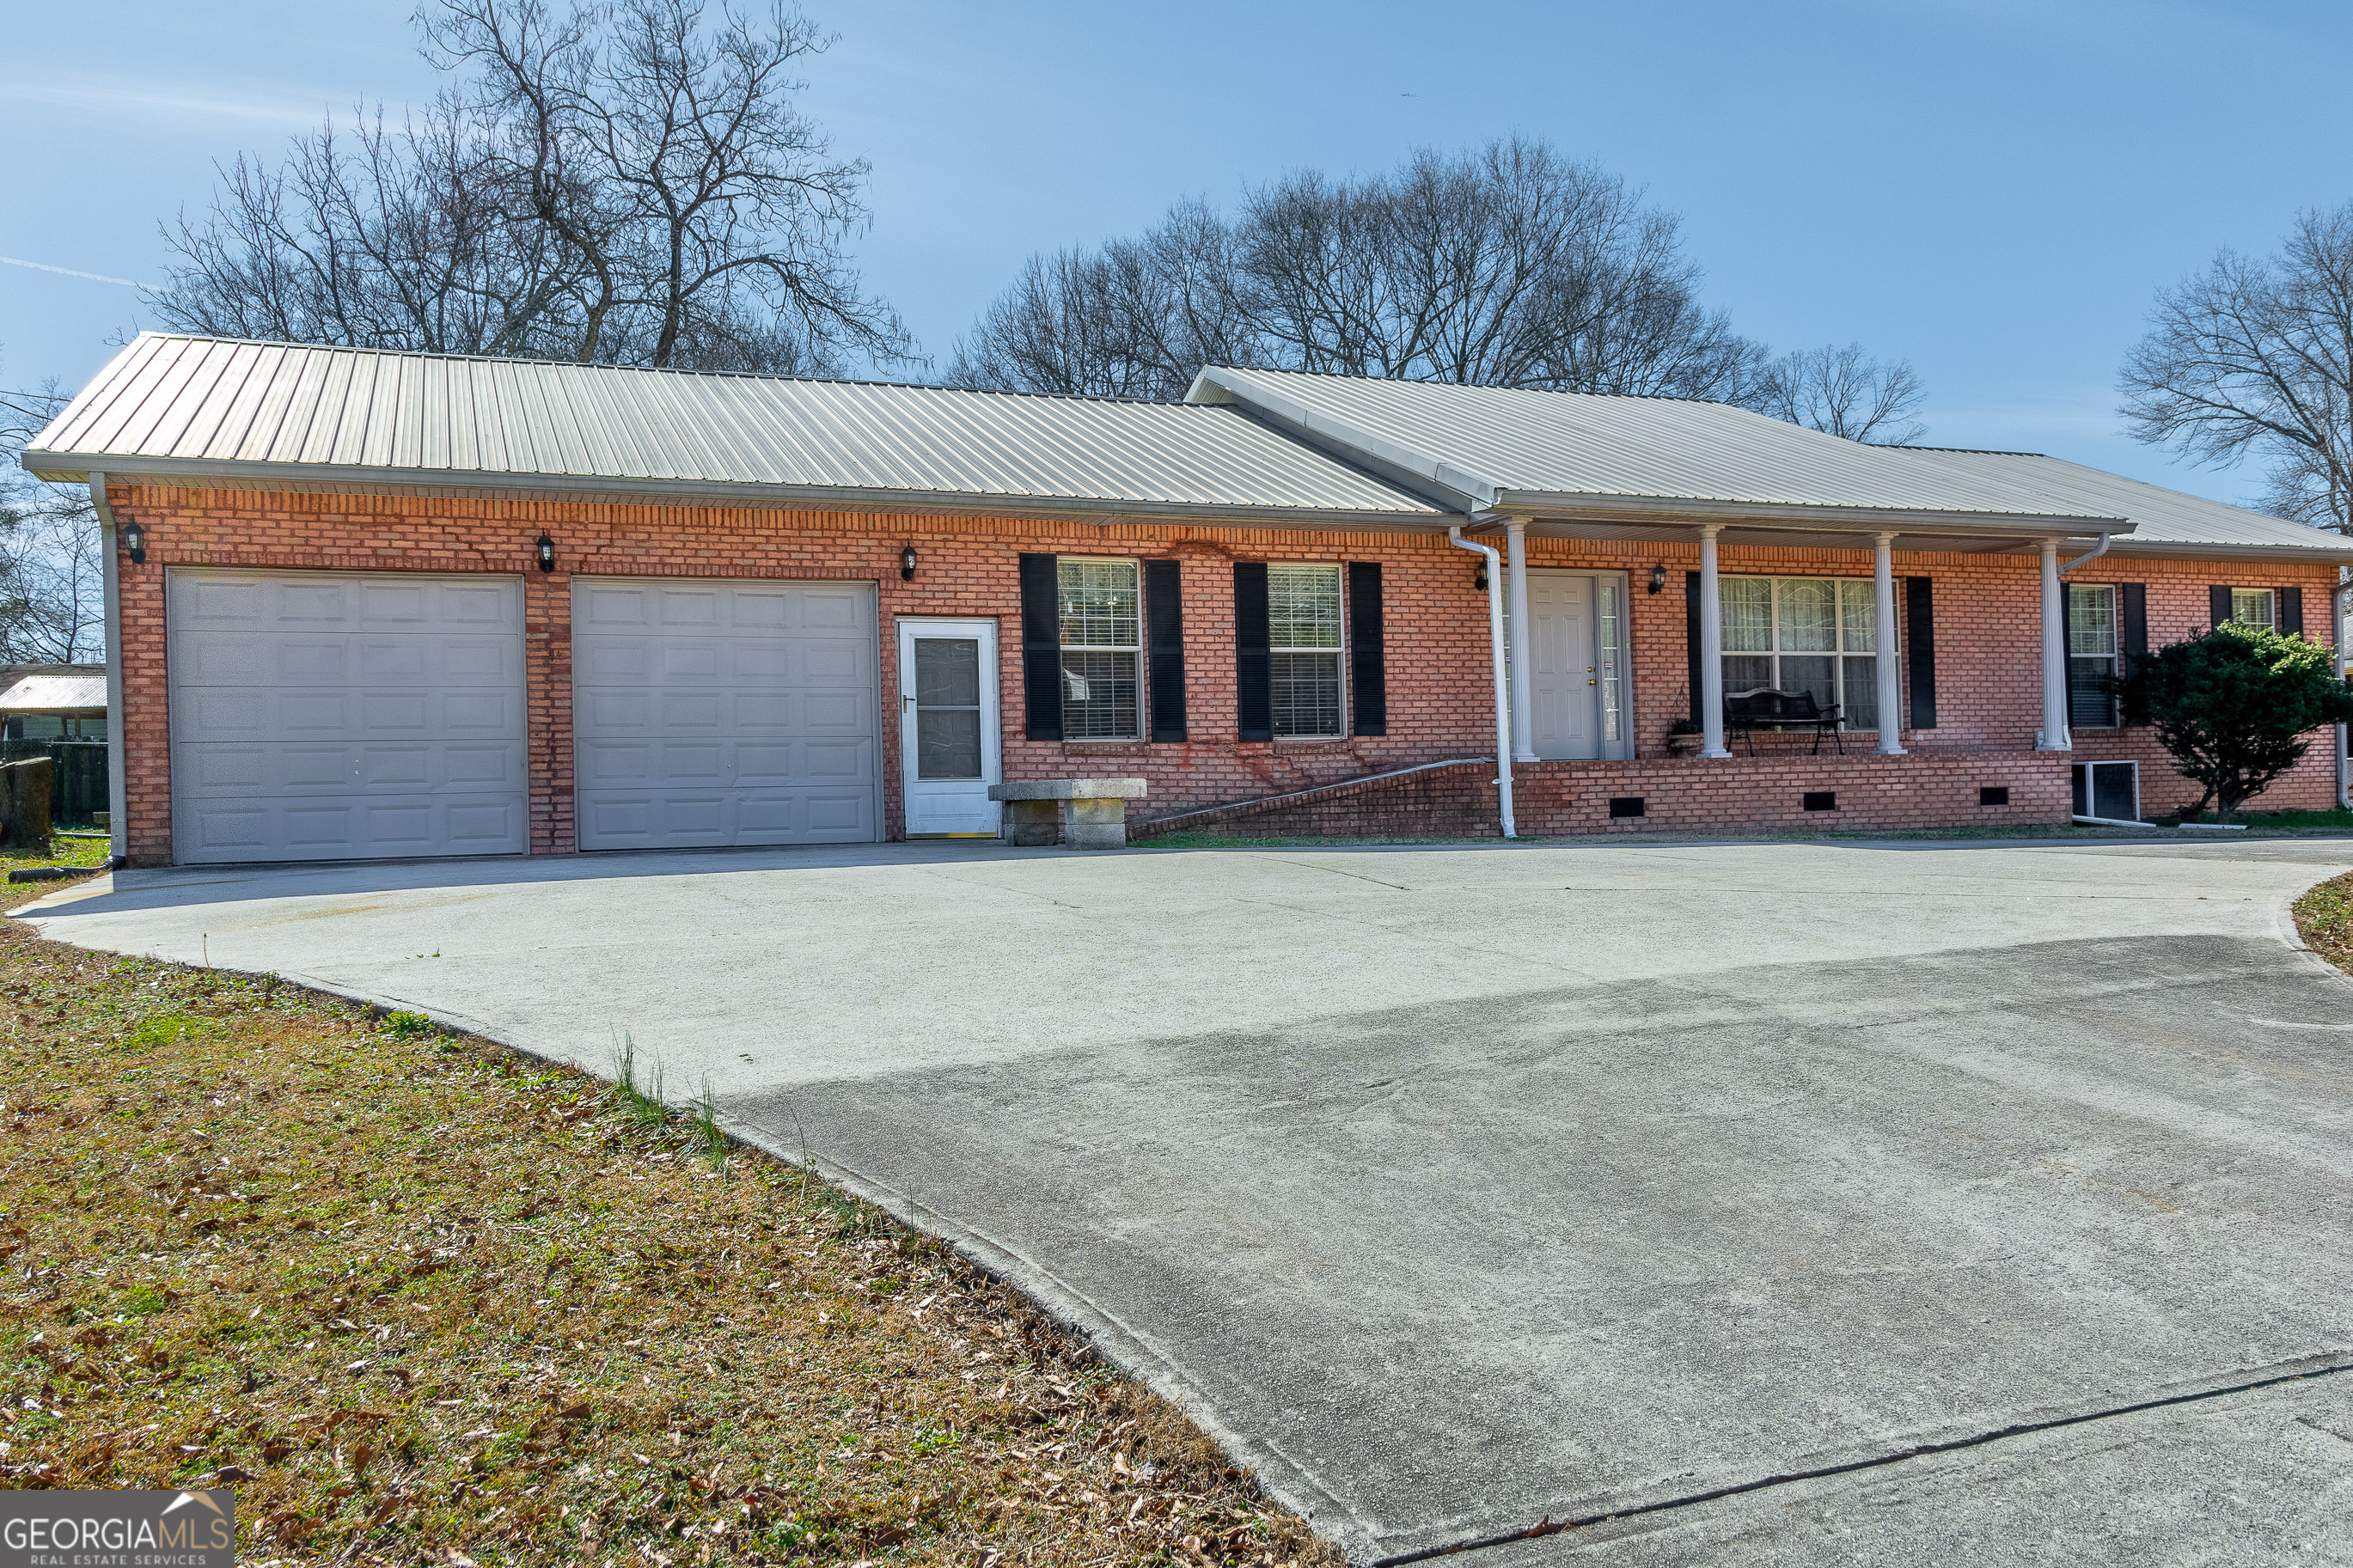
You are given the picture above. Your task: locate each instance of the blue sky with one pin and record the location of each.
(1990, 189)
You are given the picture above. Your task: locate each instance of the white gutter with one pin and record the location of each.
(2091, 554)
(117, 788)
(1502, 691)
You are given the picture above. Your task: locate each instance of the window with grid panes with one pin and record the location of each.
(1804, 633)
(2090, 655)
(1103, 645)
(1303, 646)
(2254, 607)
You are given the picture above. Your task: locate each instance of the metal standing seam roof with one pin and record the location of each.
(2165, 522)
(210, 407)
(1509, 448)
(56, 694)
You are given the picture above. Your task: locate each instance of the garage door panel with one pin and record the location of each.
(695, 707)
(323, 716)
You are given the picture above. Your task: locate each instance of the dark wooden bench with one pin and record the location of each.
(1745, 712)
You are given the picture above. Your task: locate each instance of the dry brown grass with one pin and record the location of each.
(2324, 916)
(419, 1300)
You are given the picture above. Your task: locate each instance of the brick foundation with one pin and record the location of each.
(1987, 629)
(1679, 794)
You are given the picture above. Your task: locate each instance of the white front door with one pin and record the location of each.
(1565, 665)
(947, 727)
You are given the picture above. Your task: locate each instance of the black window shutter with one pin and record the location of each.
(1041, 648)
(2218, 599)
(2291, 615)
(1920, 648)
(1253, 666)
(1690, 638)
(1163, 631)
(2131, 638)
(1368, 690)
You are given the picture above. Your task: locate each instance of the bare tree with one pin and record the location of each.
(616, 183)
(2254, 357)
(706, 215)
(1844, 392)
(52, 606)
(1505, 266)
(1136, 319)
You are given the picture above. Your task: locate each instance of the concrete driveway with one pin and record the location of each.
(1789, 1203)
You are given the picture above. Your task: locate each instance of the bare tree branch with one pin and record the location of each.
(1506, 266)
(2255, 358)
(1844, 392)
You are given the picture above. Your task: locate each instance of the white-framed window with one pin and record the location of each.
(2256, 607)
(1103, 649)
(2090, 655)
(1804, 633)
(1303, 606)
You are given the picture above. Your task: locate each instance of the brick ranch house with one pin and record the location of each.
(371, 603)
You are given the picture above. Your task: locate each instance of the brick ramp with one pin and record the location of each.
(1449, 800)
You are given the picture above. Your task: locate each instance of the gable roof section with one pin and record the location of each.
(2165, 522)
(198, 409)
(1512, 448)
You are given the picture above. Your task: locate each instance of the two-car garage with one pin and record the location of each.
(321, 715)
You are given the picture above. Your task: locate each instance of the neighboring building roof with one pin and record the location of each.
(243, 412)
(1508, 447)
(2165, 522)
(56, 694)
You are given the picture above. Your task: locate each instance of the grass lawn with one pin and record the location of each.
(419, 1300)
(2324, 916)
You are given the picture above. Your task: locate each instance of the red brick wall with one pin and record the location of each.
(1436, 626)
(1678, 795)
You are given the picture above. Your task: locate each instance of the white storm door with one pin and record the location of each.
(733, 711)
(1565, 665)
(947, 727)
(345, 715)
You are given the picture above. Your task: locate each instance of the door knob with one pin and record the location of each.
(905, 702)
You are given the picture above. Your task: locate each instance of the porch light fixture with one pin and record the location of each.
(134, 539)
(1659, 579)
(546, 553)
(906, 563)
(1479, 577)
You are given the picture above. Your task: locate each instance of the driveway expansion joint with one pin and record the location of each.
(2303, 1369)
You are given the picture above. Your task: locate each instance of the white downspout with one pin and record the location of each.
(2337, 631)
(1502, 688)
(118, 787)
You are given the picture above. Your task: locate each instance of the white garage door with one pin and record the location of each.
(724, 712)
(331, 716)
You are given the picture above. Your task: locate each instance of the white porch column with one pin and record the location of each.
(1710, 651)
(1891, 689)
(2053, 735)
(1524, 699)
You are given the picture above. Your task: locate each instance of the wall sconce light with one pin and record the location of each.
(906, 563)
(1479, 577)
(546, 553)
(134, 539)
(1658, 579)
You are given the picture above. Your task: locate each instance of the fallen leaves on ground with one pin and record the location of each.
(2324, 916)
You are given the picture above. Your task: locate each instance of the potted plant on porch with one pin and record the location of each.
(1684, 738)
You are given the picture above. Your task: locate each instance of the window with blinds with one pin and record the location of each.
(2254, 607)
(1303, 650)
(2092, 656)
(1103, 645)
